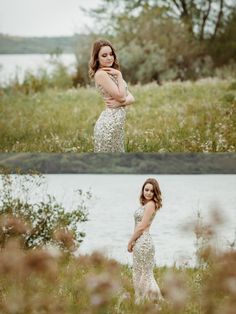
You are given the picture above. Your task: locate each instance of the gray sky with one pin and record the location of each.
(44, 17)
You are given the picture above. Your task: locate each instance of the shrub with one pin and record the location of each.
(45, 222)
(59, 78)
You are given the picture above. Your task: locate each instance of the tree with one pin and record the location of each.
(203, 18)
(224, 49)
(171, 39)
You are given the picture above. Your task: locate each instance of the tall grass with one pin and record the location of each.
(175, 117)
(50, 281)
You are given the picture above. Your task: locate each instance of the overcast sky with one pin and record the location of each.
(44, 17)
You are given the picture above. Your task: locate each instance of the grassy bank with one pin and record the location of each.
(175, 117)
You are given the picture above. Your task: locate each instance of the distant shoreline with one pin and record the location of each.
(38, 45)
(135, 163)
(34, 53)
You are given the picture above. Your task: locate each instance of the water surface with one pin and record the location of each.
(115, 197)
(12, 65)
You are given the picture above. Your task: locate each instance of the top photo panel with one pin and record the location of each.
(124, 76)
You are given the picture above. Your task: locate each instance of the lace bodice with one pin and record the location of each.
(138, 215)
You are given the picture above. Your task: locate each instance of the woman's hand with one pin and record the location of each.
(130, 246)
(112, 71)
(114, 88)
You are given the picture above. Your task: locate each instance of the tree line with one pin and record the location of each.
(30, 45)
(132, 163)
(164, 40)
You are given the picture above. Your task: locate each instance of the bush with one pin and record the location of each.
(45, 222)
(148, 62)
(59, 78)
(227, 71)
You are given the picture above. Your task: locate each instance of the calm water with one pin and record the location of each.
(115, 197)
(12, 64)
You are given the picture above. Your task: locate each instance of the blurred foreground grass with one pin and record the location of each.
(175, 117)
(47, 281)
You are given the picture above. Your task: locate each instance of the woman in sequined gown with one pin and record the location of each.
(141, 244)
(104, 68)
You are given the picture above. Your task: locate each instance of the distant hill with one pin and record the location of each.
(23, 45)
(130, 163)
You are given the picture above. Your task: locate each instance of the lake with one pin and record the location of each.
(12, 64)
(115, 197)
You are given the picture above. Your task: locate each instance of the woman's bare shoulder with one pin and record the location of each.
(150, 205)
(100, 74)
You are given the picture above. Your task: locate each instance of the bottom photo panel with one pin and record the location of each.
(121, 241)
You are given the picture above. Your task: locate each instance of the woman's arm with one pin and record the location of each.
(117, 92)
(146, 221)
(112, 103)
(129, 99)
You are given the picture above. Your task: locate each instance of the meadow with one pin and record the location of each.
(174, 117)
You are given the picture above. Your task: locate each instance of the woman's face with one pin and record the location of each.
(106, 57)
(148, 192)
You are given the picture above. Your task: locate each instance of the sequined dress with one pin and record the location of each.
(145, 285)
(109, 128)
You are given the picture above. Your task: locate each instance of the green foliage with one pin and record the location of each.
(168, 40)
(229, 98)
(42, 222)
(226, 71)
(59, 78)
(232, 86)
(149, 63)
(223, 50)
(82, 53)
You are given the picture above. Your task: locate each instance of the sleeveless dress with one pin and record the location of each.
(109, 128)
(145, 285)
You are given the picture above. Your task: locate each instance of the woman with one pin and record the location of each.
(104, 68)
(142, 246)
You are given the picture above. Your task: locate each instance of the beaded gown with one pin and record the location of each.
(109, 128)
(145, 285)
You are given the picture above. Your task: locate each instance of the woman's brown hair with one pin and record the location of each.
(156, 190)
(94, 63)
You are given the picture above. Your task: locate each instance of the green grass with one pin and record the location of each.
(175, 117)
